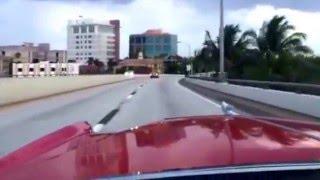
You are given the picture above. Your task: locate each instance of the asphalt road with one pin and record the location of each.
(153, 100)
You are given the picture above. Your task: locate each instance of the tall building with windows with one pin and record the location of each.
(92, 39)
(153, 44)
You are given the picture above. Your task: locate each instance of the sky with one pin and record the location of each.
(45, 21)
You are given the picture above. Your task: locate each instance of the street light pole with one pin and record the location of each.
(222, 74)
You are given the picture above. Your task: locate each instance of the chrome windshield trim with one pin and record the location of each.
(222, 170)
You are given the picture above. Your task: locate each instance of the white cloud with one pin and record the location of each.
(303, 21)
(46, 20)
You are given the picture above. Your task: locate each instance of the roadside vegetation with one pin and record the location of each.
(275, 53)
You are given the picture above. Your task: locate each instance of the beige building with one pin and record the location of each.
(141, 66)
(5, 65)
(57, 56)
(27, 52)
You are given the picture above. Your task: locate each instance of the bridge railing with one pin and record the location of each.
(300, 88)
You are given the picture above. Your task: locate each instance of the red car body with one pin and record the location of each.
(74, 152)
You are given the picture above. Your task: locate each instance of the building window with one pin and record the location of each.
(77, 37)
(3, 53)
(77, 42)
(83, 29)
(149, 39)
(53, 69)
(148, 50)
(89, 36)
(77, 47)
(19, 69)
(138, 40)
(166, 49)
(42, 69)
(158, 48)
(85, 47)
(143, 39)
(89, 47)
(110, 53)
(157, 39)
(89, 41)
(85, 41)
(91, 28)
(85, 36)
(77, 54)
(167, 39)
(75, 29)
(89, 53)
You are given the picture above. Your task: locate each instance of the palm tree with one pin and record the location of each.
(235, 43)
(279, 45)
(275, 37)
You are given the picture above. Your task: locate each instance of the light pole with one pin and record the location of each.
(222, 74)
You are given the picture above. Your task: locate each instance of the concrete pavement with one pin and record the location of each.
(155, 100)
(159, 99)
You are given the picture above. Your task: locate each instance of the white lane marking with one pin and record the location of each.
(198, 95)
(129, 96)
(97, 128)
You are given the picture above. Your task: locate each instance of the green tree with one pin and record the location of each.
(278, 45)
(276, 37)
(17, 55)
(237, 43)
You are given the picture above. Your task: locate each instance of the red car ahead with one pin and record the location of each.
(221, 147)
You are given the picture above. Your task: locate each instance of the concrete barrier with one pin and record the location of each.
(302, 103)
(13, 90)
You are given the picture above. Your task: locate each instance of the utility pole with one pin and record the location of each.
(222, 75)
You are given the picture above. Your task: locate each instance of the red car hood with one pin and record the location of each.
(172, 144)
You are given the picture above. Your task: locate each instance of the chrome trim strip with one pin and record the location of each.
(222, 170)
(228, 109)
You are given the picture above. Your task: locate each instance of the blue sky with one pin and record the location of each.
(45, 20)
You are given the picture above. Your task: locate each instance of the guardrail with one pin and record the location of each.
(301, 103)
(299, 88)
(15, 90)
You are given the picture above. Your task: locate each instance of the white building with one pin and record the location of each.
(88, 38)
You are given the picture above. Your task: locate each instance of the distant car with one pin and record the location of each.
(129, 73)
(154, 75)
